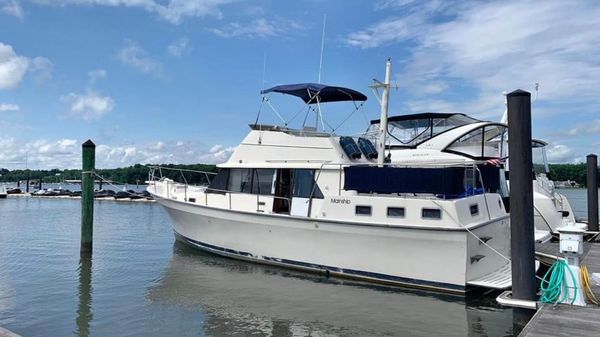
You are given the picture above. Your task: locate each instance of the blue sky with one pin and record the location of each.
(175, 81)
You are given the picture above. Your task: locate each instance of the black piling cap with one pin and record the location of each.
(591, 155)
(88, 143)
(519, 92)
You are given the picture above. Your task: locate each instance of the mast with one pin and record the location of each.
(385, 97)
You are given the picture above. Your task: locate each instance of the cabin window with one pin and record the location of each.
(431, 213)
(395, 212)
(218, 183)
(469, 144)
(484, 142)
(304, 184)
(240, 180)
(262, 181)
(474, 209)
(363, 210)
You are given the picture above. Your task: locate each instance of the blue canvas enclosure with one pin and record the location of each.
(444, 182)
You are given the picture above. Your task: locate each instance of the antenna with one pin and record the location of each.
(264, 69)
(537, 86)
(322, 45)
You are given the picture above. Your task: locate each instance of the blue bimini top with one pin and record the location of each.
(312, 93)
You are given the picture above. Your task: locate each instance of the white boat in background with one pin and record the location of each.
(452, 136)
(3, 193)
(552, 209)
(317, 201)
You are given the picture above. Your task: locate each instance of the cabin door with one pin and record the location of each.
(283, 191)
(303, 191)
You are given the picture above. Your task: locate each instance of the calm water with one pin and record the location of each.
(578, 200)
(141, 283)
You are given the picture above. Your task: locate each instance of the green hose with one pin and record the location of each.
(553, 286)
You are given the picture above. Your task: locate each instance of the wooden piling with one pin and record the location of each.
(592, 192)
(88, 152)
(521, 195)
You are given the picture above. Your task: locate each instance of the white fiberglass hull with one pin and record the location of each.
(425, 258)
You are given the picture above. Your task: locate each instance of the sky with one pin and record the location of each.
(174, 81)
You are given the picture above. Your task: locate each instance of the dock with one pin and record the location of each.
(28, 195)
(563, 320)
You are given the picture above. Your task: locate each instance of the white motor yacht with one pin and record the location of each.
(318, 201)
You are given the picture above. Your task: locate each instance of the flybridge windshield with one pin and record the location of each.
(411, 130)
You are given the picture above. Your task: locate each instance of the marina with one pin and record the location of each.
(184, 168)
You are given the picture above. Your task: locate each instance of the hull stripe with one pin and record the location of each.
(341, 271)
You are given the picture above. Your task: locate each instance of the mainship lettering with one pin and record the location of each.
(340, 201)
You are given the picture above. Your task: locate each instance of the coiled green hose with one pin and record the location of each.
(553, 283)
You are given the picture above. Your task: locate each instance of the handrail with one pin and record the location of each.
(154, 168)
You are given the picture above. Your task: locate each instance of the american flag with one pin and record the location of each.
(494, 161)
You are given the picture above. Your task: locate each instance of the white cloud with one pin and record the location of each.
(66, 153)
(561, 154)
(173, 11)
(587, 128)
(489, 47)
(95, 75)
(8, 107)
(40, 153)
(386, 32)
(12, 7)
(88, 106)
(133, 55)
(42, 69)
(258, 28)
(179, 46)
(12, 67)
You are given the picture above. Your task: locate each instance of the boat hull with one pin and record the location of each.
(375, 253)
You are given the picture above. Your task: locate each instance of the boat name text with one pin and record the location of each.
(340, 201)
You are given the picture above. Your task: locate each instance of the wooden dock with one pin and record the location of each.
(565, 320)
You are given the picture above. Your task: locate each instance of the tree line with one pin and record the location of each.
(573, 172)
(135, 174)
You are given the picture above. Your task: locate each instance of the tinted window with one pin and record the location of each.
(474, 209)
(240, 180)
(262, 181)
(431, 213)
(395, 212)
(363, 210)
(304, 184)
(218, 183)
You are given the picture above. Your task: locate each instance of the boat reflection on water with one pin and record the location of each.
(240, 299)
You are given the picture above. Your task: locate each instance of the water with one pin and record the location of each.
(578, 200)
(141, 283)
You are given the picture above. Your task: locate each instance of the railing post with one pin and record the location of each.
(87, 195)
(521, 195)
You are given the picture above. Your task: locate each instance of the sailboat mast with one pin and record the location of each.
(385, 97)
